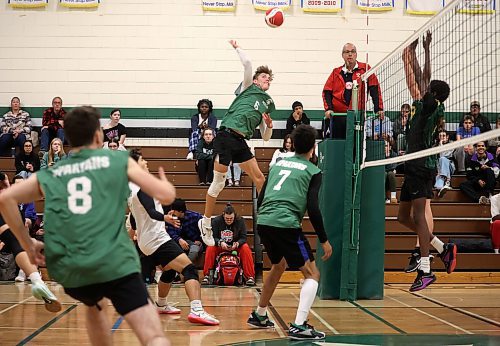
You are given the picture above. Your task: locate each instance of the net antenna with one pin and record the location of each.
(459, 45)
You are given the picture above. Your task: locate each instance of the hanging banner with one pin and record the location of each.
(267, 4)
(322, 6)
(375, 5)
(218, 6)
(28, 3)
(477, 6)
(425, 7)
(79, 3)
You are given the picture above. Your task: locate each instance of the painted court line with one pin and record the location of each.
(274, 314)
(377, 317)
(117, 324)
(13, 306)
(432, 316)
(321, 319)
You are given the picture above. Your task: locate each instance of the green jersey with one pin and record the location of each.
(85, 200)
(245, 113)
(285, 196)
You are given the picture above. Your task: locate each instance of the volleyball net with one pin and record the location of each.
(459, 45)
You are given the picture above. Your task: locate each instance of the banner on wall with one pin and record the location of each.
(322, 6)
(478, 6)
(375, 5)
(218, 6)
(267, 4)
(426, 7)
(28, 3)
(79, 3)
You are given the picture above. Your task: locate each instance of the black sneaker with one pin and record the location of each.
(449, 257)
(422, 281)
(414, 262)
(304, 332)
(255, 320)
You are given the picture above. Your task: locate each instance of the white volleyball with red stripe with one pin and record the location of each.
(274, 17)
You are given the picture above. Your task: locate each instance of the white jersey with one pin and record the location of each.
(151, 234)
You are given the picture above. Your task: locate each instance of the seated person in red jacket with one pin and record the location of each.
(230, 234)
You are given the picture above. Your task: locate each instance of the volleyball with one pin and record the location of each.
(274, 17)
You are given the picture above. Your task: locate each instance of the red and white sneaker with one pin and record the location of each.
(202, 317)
(167, 309)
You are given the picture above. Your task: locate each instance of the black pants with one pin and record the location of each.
(474, 191)
(206, 170)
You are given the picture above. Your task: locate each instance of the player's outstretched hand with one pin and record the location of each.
(267, 120)
(327, 249)
(233, 43)
(35, 253)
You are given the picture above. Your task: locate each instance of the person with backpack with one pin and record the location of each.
(230, 235)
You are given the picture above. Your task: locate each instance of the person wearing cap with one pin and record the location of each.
(480, 121)
(337, 92)
(296, 118)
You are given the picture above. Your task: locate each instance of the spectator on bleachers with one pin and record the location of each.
(113, 144)
(480, 121)
(202, 120)
(15, 128)
(233, 174)
(482, 171)
(55, 154)
(494, 143)
(52, 125)
(27, 161)
(296, 118)
(390, 175)
(445, 167)
(205, 157)
(399, 129)
(187, 235)
(230, 234)
(495, 222)
(287, 150)
(467, 130)
(115, 130)
(379, 127)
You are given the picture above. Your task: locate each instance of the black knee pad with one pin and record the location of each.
(11, 242)
(168, 276)
(190, 273)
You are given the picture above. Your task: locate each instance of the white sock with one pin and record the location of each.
(425, 264)
(393, 194)
(161, 301)
(196, 305)
(307, 295)
(261, 311)
(437, 244)
(496, 251)
(35, 276)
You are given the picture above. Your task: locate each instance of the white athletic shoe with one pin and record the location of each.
(21, 277)
(167, 309)
(205, 226)
(189, 156)
(41, 292)
(202, 317)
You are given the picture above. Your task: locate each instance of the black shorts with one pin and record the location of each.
(11, 243)
(230, 146)
(417, 186)
(166, 253)
(289, 243)
(127, 293)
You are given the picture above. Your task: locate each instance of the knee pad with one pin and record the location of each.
(190, 273)
(217, 184)
(168, 276)
(11, 242)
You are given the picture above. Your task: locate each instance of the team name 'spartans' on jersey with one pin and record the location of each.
(91, 164)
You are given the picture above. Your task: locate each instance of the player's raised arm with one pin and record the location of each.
(409, 57)
(159, 188)
(247, 65)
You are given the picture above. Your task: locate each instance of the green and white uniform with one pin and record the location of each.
(85, 237)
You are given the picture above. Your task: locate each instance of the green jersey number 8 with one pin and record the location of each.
(79, 199)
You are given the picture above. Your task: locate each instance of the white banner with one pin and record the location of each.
(79, 3)
(375, 5)
(477, 6)
(219, 6)
(267, 4)
(322, 6)
(28, 3)
(424, 6)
